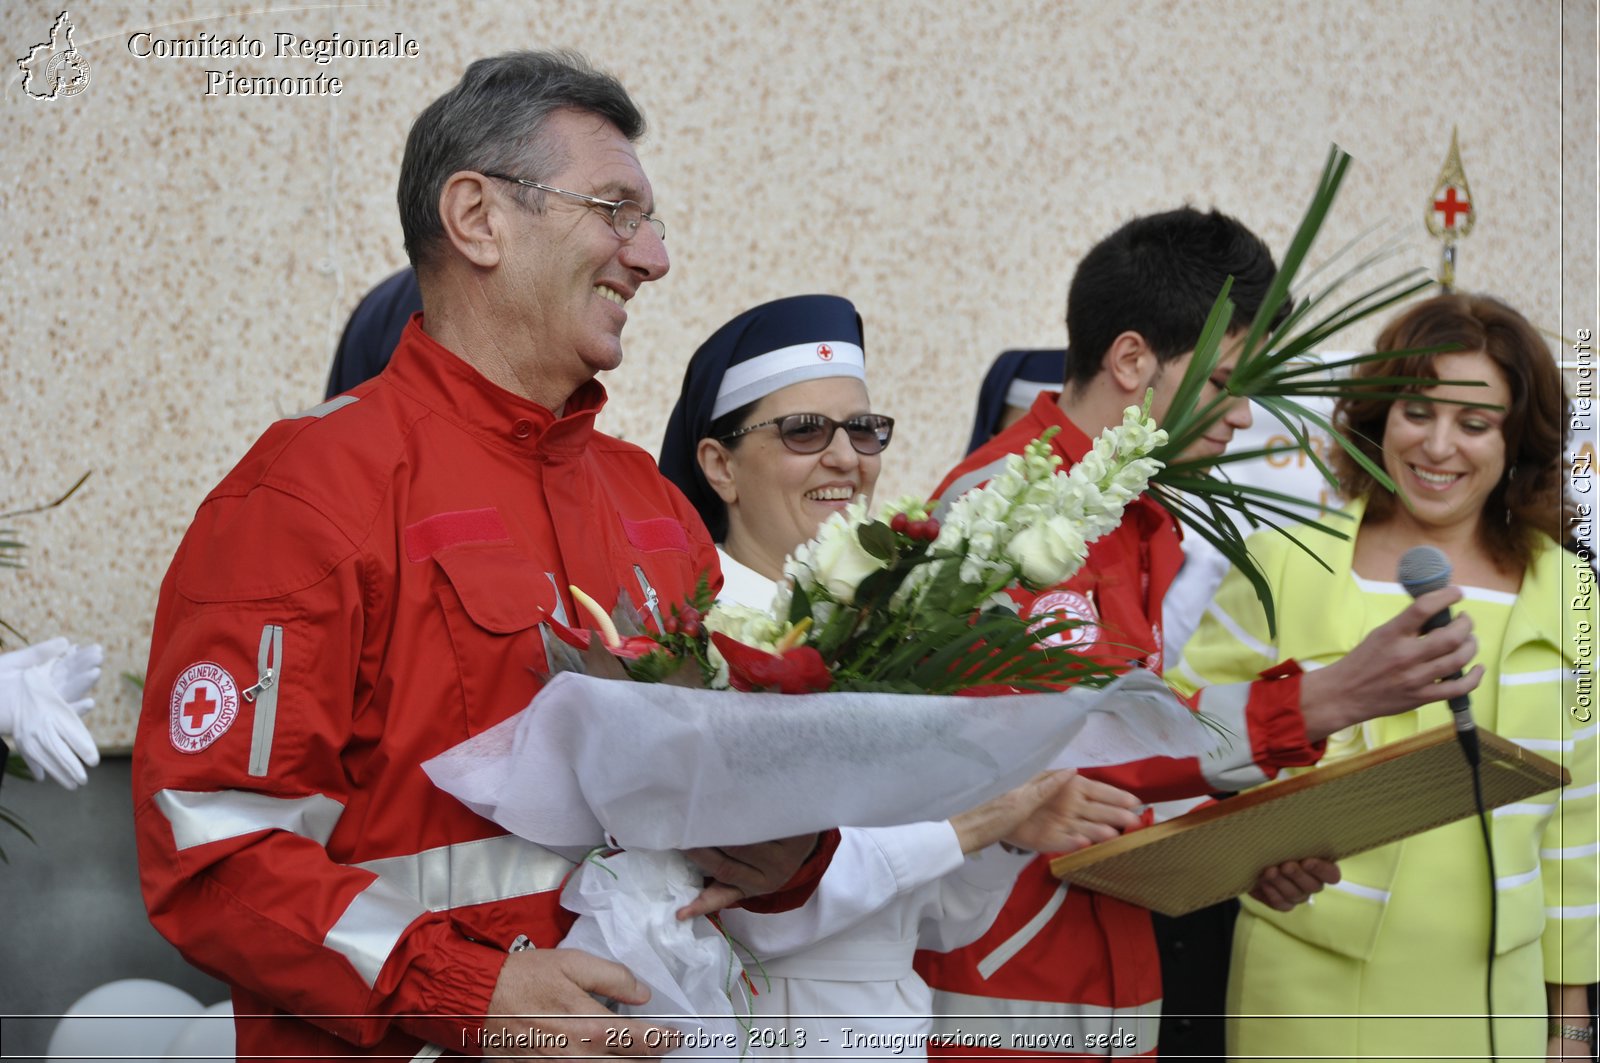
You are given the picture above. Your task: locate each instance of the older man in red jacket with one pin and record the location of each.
(364, 591)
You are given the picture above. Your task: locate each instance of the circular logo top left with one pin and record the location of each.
(55, 68)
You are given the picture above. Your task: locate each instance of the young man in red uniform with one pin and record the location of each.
(366, 588)
(1067, 973)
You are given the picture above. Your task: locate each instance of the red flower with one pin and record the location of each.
(796, 671)
(629, 648)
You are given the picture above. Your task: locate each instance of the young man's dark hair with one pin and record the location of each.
(1159, 276)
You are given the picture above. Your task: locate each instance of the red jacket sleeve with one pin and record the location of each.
(798, 889)
(234, 859)
(1257, 730)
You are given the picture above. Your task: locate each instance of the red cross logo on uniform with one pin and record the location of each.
(1058, 605)
(824, 352)
(1450, 206)
(203, 705)
(200, 706)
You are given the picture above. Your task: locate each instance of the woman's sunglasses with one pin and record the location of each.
(811, 433)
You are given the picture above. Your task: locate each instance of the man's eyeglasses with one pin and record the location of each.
(625, 213)
(812, 433)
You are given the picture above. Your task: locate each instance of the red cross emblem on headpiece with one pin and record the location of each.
(824, 352)
(1450, 206)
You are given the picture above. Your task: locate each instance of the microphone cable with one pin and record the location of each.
(1423, 569)
(1494, 902)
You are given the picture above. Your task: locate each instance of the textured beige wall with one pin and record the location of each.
(177, 268)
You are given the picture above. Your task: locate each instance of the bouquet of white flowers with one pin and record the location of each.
(908, 604)
(878, 614)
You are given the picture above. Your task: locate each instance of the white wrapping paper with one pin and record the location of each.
(654, 768)
(627, 901)
(663, 767)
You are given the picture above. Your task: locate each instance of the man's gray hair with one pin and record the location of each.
(493, 121)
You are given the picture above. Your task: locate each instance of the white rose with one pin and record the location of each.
(800, 567)
(1048, 552)
(838, 563)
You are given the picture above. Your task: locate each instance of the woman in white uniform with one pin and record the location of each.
(773, 432)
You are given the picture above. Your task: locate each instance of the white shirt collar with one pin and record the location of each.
(743, 585)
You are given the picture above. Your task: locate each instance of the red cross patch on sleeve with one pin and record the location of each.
(204, 704)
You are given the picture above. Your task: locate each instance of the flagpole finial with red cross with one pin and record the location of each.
(1451, 212)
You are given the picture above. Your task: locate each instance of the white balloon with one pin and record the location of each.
(131, 1019)
(206, 1038)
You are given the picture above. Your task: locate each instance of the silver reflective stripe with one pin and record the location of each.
(367, 931)
(975, 478)
(561, 610)
(1573, 793)
(1553, 675)
(269, 677)
(1511, 882)
(199, 818)
(1245, 639)
(1545, 745)
(1018, 941)
(493, 869)
(651, 598)
(1356, 889)
(1527, 808)
(323, 409)
(1045, 1027)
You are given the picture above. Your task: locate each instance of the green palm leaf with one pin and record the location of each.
(1276, 369)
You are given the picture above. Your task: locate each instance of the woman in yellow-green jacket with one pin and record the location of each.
(1392, 961)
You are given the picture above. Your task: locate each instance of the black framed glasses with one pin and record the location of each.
(812, 433)
(626, 215)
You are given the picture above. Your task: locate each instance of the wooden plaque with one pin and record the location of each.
(1346, 807)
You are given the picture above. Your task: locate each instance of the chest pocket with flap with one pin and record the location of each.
(494, 597)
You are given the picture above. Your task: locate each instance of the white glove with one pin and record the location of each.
(25, 658)
(43, 692)
(75, 673)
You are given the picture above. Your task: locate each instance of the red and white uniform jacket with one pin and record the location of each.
(362, 592)
(1070, 973)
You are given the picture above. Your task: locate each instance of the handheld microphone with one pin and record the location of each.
(1423, 569)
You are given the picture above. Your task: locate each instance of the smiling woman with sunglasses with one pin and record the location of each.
(810, 433)
(773, 432)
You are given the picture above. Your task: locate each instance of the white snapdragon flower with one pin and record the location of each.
(1094, 466)
(1033, 521)
(1138, 434)
(978, 569)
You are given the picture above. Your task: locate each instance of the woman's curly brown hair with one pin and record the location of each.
(1532, 492)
